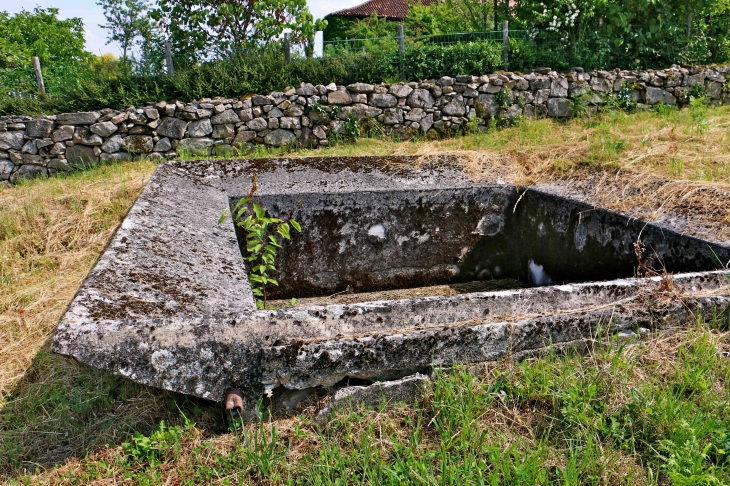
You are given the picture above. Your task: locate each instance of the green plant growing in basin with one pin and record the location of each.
(264, 235)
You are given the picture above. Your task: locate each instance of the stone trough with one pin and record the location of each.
(169, 304)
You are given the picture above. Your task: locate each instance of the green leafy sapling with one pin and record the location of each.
(264, 235)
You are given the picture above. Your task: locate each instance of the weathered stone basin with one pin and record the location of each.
(169, 304)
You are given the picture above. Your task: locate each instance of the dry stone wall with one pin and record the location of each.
(311, 116)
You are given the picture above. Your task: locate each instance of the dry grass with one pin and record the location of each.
(536, 416)
(51, 232)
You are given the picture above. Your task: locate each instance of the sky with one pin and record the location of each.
(93, 15)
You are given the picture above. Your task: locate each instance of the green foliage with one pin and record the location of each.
(429, 61)
(41, 33)
(337, 27)
(128, 22)
(579, 104)
(264, 235)
(371, 27)
(351, 127)
(698, 110)
(211, 26)
(163, 444)
(623, 100)
(627, 34)
(438, 18)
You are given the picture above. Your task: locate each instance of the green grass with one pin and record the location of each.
(653, 412)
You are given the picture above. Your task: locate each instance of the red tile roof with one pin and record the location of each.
(390, 9)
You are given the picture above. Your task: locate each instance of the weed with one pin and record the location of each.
(315, 108)
(351, 127)
(264, 235)
(472, 124)
(163, 444)
(697, 91)
(503, 98)
(623, 100)
(686, 458)
(579, 104)
(698, 110)
(676, 165)
(665, 110)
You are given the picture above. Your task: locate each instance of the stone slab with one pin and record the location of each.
(169, 304)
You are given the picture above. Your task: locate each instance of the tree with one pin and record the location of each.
(450, 16)
(41, 33)
(437, 18)
(221, 25)
(127, 21)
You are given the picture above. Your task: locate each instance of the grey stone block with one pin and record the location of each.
(656, 95)
(279, 138)
(172, 127)
(152, 113)
(358, 88)
(400, 90)
(228, 116)
(104, 129)
(28, 171)
(383, 100)
(114, 144)
(11, 140)
(6, 167)
(559, 108)
(30, 147)
(257, 124)
(388, 393)
(420, 98)
(59, 164)
(339, 97)
(39, 128)
(559, 88)
(196, 146)
(138, 144)
(81, 155)
(199, 128)
(244, 136)
(63, 133)
(454, 108)
(163, 145)
(81, 118)
(85, 137)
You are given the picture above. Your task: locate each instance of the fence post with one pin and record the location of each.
(39, 74)
(689, 25)
(505, 40)
(401, 50)
(168, 59)
(287, 47)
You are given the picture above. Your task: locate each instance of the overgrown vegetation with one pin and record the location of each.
(653, 413)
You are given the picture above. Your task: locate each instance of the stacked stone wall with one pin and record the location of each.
(311, 116)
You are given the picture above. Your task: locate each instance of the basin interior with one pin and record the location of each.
(394, 239)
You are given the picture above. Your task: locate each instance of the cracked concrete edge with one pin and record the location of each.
(388, 393)
(186, 366)
(264, 327)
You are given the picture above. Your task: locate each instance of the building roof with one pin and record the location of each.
(390, 9)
